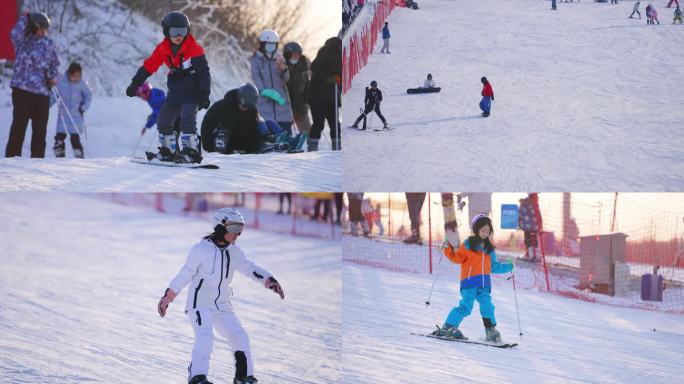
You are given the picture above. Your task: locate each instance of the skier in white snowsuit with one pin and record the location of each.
(209, 270)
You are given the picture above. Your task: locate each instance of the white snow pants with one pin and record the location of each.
(227, 324)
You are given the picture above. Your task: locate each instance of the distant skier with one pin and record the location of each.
(189, 84)
(429, 83)
(209, 268)
(677, 16)
(635, 10)
(155, 98)
(654, 15)
(35, 72)
(75, 100)
(233, 125)
(613, 1)
(269, 74)
(487, 97)
(372, 103)
(478, 261)
(385, 38)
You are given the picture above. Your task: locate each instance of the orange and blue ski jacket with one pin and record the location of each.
(476, 265)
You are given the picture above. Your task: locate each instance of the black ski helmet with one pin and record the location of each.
(37, 20)
(429, 76)
(290, 48)
(483, 80)
(374, 84)
(249, 94)
(175, 19)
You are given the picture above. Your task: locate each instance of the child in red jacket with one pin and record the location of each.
(487, 97)
(189, 85)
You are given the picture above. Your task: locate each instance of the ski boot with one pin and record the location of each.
(492, 335)
(414, 238)
(76, 145)
(336, 145)
(167, 149)
(448, 331)
(485, 114)
(59, 145)
(312, 144)
(247, 380)
(385, 126)
(190, 152)
(199, 379)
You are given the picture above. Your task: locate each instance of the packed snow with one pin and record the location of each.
(82, 276)
(564, 340)
(585, 99)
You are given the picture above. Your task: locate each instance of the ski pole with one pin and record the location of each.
(138, 143)
(427, 302)
(515, 295)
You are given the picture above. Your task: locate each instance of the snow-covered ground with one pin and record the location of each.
(564, 340)
(81, 278)
(113, 128)
(586, 99)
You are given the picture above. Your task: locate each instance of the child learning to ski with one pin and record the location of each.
(677, 16)
(74, 100)
(487, 97)
(478, 261)
(189, 86)
(210, 267)
(372, 101)
(429, 83)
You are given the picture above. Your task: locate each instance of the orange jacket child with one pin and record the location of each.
(478, 261)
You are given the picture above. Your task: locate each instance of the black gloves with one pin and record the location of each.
(130, 91)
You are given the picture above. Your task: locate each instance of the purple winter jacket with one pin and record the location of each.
(36, 60)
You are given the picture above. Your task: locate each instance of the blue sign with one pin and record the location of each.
(509, 216)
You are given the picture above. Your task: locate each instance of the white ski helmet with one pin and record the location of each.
(227, 216)
(269, 36)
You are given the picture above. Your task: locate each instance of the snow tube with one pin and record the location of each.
(423, 90)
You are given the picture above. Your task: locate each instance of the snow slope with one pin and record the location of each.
(81, 278)
(586, 99)
(564, 340)
(113, 128)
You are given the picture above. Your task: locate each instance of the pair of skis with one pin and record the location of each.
(152, 160)
(468, 341)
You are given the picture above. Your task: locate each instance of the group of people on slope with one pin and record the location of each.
(254, 118)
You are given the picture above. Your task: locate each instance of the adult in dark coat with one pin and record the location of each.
(326, 74)
(299, 67)
(232, 124)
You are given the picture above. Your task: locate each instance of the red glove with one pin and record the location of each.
(273, 284)
(164, 302)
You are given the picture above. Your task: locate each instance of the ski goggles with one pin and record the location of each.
(234, 228)
(178, 31)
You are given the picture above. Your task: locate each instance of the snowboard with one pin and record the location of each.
(158, 162)
(450, 224)
(412, 91)
(468, 341)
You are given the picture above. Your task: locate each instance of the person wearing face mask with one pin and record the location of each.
(35, 72)
(299, 67)
(269, 74)
(209, 269)
(478, 261)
